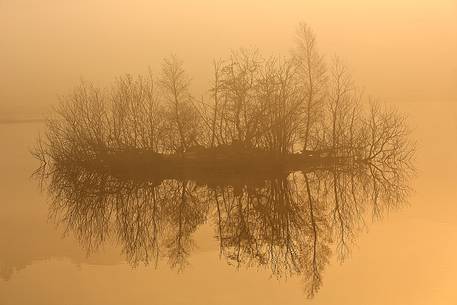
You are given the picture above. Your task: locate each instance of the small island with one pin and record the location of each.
(260, 117)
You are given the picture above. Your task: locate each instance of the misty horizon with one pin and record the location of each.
(228, 152)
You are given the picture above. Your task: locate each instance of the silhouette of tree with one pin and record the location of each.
(287, 161)
(182, 115)
(312, 79)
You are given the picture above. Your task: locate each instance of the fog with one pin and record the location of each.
(397, 51)
(401, 53)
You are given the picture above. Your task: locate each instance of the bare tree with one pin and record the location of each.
(176, 94)
(215, 92)
(135, 116)
(312, 79)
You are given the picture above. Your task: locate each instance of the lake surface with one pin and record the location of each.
(407, 256)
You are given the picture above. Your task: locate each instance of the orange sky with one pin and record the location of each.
(403, 51)
(397, 50)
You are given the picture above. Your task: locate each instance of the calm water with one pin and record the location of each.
(405, 257)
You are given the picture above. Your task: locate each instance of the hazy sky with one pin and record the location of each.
(397, 50)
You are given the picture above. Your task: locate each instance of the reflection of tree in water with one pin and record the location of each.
(146, 165)
(276, 225)
(145, 218)
(290, 224)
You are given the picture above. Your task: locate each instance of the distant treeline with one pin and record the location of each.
(298, 103)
